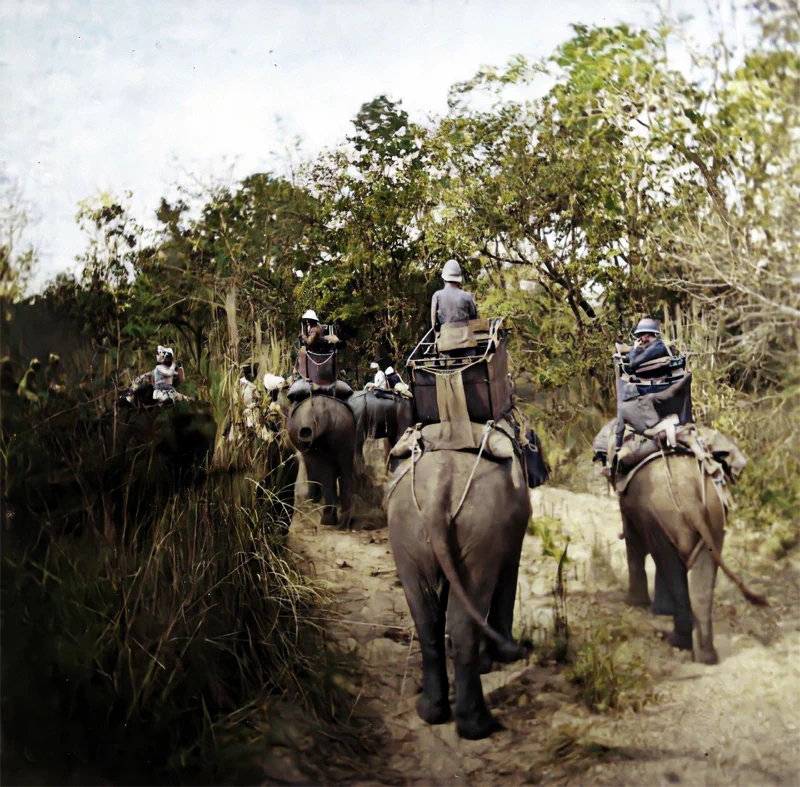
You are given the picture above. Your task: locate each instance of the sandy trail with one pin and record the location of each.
(734, 724)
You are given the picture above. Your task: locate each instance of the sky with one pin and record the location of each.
(140, 95)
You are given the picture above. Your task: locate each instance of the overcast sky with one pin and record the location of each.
(132, 95)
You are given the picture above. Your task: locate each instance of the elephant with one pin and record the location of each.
(664, 514)
(323, 429)
(457, 561)
(379, 416)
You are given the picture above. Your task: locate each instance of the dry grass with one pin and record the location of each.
(155, 625)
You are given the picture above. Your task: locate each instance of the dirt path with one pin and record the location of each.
(736, 723)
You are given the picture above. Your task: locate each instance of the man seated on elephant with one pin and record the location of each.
(649, 346)
(311, 336)
(454, 307)
(379, 382)
(452, 304)
(392, 377)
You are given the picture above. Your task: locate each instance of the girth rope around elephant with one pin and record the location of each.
(705, 535)
(508, 648)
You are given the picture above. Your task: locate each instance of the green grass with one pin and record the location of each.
(608, 673)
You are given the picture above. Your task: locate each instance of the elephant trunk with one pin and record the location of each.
(437, 524)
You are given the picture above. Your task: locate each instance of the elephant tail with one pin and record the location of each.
(716, 556)
(438, 526)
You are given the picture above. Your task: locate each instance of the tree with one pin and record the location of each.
(370, 258)
(739, 258)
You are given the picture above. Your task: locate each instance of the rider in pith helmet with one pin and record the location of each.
(451, 304)
(648, 345)
(311, 335)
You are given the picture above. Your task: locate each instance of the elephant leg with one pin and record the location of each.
(302, 491)
(636, 549)
(662, 603)
(473, 719)
(346, 497)
(322, 475)
(702, 578)
(501, 614)
(673, 572)
(427, 605)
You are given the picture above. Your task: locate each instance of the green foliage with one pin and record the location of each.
(370, 261)
(546, 528)
(609, 675)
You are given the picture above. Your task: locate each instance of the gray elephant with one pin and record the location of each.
(379, 415)
(457, 558)
(323, 429)
(667, 513)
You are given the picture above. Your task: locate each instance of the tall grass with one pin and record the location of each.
(155, 625)
(764, 425)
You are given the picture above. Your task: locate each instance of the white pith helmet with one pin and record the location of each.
(647, 325)
(451, 271)
(389, 370)
(310, 315)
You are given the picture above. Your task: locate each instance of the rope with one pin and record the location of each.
(414, 451)
(448, 372)
(668, 473)
(489, 426)
(318, 363)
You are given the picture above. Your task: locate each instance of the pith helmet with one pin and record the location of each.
(310, 315)
(451, 271)
(647, 325)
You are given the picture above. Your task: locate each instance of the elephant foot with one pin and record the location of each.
(706, 656)
(475, 728)
(637, 600)
(433, 712)
(328, 517)
(508, 655)
(657, 608)
(680, 640)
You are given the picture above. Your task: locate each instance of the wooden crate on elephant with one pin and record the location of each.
(483, 373)
(319, 368)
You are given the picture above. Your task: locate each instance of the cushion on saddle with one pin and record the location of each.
(302, 389)
(718, 456)
(499, 444)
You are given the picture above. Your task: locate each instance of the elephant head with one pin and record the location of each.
(323, 429)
